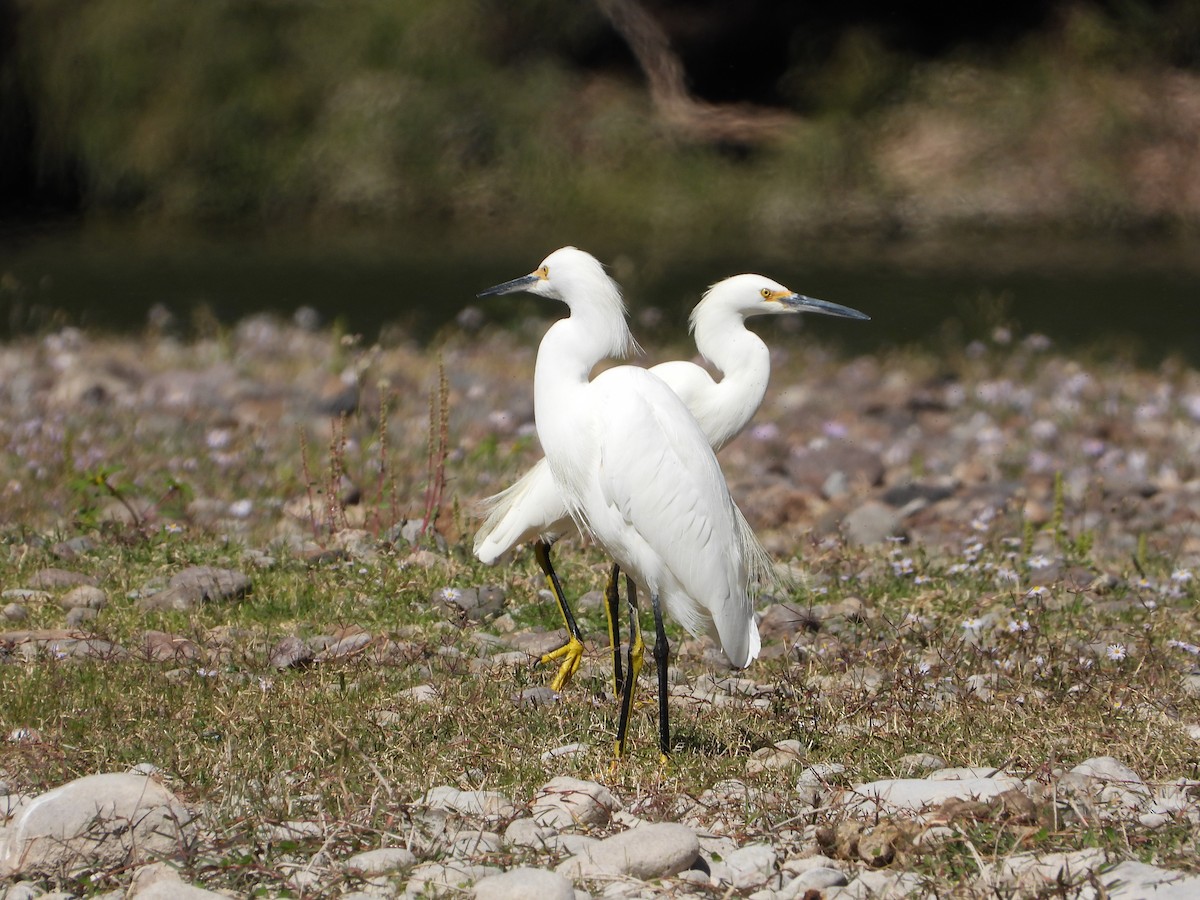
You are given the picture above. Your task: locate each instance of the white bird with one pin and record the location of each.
(635, 470)
(532, 510)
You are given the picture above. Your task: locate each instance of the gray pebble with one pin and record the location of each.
(647, 852)
(564, 802)
(484, 804)
(379, 862)
(86, 596)
(15, 612)
(524, 884)
(79, 616)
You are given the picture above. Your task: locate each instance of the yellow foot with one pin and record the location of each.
(571, 654)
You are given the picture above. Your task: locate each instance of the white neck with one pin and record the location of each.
(565, 359)
(745, 363)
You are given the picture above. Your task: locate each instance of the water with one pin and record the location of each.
(1138, 300)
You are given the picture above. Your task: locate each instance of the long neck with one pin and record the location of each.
(745, 363)
(568, 353)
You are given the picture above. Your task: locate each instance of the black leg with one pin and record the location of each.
(661, 653)
(571, 653)
(612, 600)
(636, 650)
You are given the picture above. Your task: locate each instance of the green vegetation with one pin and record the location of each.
(459, 112)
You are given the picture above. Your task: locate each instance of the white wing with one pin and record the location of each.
(530, 508)
(681, 535)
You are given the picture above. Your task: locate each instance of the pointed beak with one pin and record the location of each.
(511, 287)
(800, 303)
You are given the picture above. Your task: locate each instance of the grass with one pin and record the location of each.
(997, 648)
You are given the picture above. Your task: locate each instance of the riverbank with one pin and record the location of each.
(214, 563)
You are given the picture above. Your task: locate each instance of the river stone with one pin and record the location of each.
(646, 853)
(915, 795)
(524, 884)
(57, 579)
(473, 604)
(1132, 880)
(1116, 784)
(196, 585)
(15, 612)
(84, 596)
(871, 523)
(484, 804)
(816, 879)
(159, 646)
(380, 862)
(565, 801)
(291, 652)
(1034, 873)
(528, 833)
(160, 881)
(81, 616)
(747, 867)
(445, 879)
(98, 821)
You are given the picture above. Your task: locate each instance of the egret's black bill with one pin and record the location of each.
(510, 287)
(800, 303)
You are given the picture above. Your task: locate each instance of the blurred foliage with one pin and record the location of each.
(464, 110)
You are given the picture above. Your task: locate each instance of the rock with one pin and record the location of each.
(196, 585)
(784, 754)
(98, 821)
(564, 802)
(880, 885)
(1132, 880)
(524, 884)
(85, 596)
(538, 695)
(161, 881)
(472, 842)
(528, 833)
(913, 763)
(383, 861)
(916, 795)
(212, 583)
(15, 612)
(159, 646)
(646, 853)
(1114, 783)
(80, 616)
(482, 804)
(815, 879)
(1032, 874)
(473, 604)
(445, 879)
(73, 547)
(57, 579)
(24, 890)
(572, 749)
(292, 652)
(871, 523)
(420, 693)
(747, 867)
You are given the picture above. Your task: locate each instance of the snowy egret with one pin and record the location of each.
(532, 510)
(635, 470)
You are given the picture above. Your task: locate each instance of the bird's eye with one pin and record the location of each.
(766, 292)
(544, 272)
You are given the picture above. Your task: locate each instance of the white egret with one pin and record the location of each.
(532, 510)
(633, 467)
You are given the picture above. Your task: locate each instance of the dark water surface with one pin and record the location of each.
(1135, 299)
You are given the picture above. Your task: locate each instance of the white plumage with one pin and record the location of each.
(533, 507)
